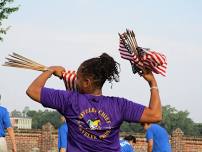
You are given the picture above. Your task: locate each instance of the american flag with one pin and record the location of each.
(69, 78)
(139, 57)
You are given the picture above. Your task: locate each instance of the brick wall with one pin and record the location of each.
(181, 143)
(35, 140)
(45, 140)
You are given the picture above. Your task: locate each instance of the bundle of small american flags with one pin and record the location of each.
(19, 61)
(141, 58)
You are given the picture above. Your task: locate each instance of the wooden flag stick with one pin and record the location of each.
(18, 61)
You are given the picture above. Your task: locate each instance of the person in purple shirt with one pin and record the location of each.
(94, 119)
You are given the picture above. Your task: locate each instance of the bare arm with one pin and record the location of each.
(152, 113)
(34, 90)
(12, 136)
(62, 149)
(150, 146)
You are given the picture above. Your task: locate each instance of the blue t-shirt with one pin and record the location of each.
(62, 136)
(93, 121)
(125, 146)
(160, 138)
(4, 121)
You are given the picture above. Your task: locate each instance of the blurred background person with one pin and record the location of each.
(62, 135)
(157, 138)
(128, 144)
(6, 124)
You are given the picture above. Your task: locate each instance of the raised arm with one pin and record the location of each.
(152, 113)
(34, 90)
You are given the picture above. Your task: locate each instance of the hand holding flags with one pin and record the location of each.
(19, 61)
(139, 57)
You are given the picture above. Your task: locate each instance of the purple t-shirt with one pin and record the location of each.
(93, 121)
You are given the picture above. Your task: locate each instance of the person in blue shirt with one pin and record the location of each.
(157, 138)
(62, 135)
(128, 143)
(6, 124)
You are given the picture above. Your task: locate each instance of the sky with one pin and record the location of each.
(68, 32)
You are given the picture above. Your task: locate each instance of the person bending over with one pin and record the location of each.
(128, 144)
(157, 138)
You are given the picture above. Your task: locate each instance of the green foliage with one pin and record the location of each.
(39, 118)
(198, 129)
(25, 110)
(172, 119)
(131, 127)
(5, 11)
(16, 113)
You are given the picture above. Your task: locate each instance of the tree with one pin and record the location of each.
(5, 11)
(173, 119)
(16, 113)
(39, 118)
(131, 127)
(25, 110)
(198, 129)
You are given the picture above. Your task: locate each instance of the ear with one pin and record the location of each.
(87, 83)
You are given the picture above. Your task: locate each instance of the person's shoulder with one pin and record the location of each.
(3, 108)
(125, 146)
(57, 90)
(65, 93)
(64, 126)
(124, 143)
(156, 125)
(121, 140)
(61, 126)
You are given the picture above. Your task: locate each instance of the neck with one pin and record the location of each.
(95, 92)
(147, 126)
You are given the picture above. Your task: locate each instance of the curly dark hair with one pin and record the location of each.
(100, 69)
(130, 138)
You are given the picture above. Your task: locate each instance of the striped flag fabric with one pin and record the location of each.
(142, 57)
(69, 78)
